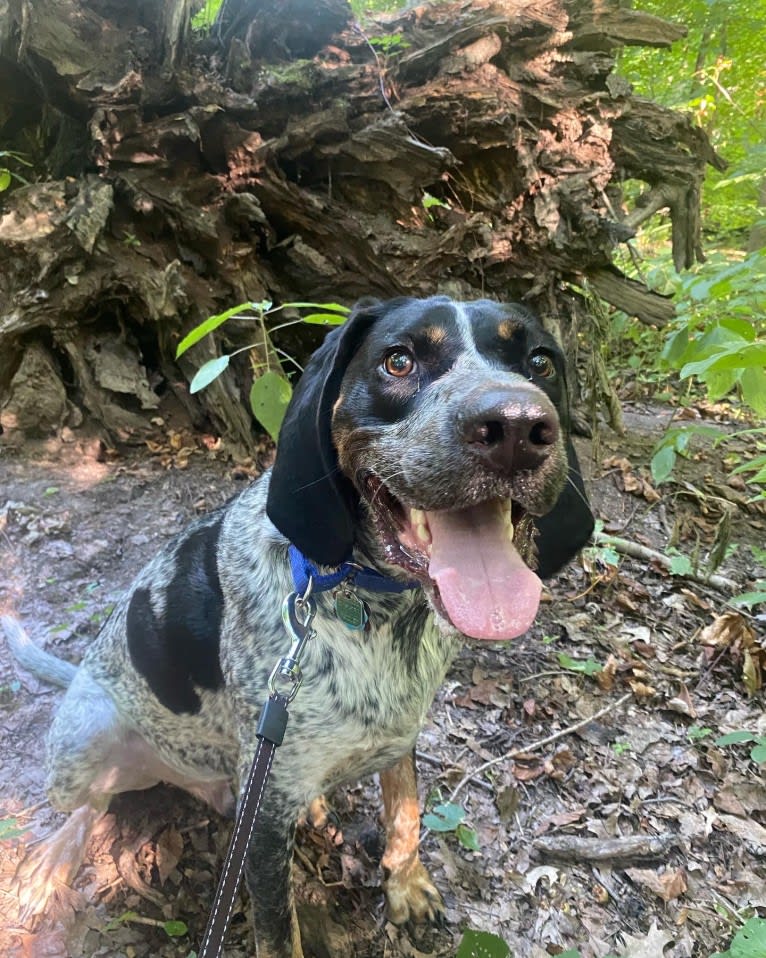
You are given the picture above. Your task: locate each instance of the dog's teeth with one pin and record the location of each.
(508, 521)
(420, 526)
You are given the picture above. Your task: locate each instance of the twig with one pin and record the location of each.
(637, 551)
(540, 744)
(618, 852)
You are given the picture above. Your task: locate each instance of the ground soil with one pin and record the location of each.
(77, 521)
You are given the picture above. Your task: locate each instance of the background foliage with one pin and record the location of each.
(718, 338)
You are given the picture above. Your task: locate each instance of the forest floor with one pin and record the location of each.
(632, 835)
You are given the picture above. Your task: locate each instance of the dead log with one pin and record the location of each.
(476, 148)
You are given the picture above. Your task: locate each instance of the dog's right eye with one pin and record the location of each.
(399, 362)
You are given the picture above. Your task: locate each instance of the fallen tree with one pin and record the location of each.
(288, 153)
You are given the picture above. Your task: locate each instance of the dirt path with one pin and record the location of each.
(76, 525)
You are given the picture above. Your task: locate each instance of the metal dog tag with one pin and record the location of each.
(352, 611)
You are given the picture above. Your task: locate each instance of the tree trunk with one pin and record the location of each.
(474, 148)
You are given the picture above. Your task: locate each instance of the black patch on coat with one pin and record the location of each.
(179, 651)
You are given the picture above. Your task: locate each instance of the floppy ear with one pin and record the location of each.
(567, 527)
(309, 501)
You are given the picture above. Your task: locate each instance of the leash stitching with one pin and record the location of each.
(234, 837)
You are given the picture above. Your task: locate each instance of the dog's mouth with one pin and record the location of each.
(469, 559)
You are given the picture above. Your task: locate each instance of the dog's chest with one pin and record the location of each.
(365, 697)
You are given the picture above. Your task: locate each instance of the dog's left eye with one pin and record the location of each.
(541, 364)
(399, 362)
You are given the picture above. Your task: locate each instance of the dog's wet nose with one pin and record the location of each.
(510, 429)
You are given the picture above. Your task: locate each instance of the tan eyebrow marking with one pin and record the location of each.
(435, 334)
(507, 328)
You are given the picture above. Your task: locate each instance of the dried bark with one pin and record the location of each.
(286, 156)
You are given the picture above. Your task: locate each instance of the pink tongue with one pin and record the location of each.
(487, 590)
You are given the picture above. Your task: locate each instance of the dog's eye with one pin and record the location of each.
(399, 363)
(541, 364)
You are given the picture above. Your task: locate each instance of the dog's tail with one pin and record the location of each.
(34, 659)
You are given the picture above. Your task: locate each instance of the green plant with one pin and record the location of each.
(448, 817)
(429, 201)
(271, 389)
(719, 335)
(204, 18)
(8, 175)
(757, 752)
(747, 600)
(676, 442)
(680, 564)
(601, 553)
(10, 829)
(482, 944)
(389, 43)
(749, 941)
(696, 733)
(173, 928)
(583, 666)
(7, 692)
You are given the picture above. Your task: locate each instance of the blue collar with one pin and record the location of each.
(361, 576)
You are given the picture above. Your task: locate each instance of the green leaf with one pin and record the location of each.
(269, 397)
(736, 356)
(758, 752)
(753, 385)
(750, 940)
(444, 818)
(695, 733)
(740, 327)
(9, 828)
(736, 738)
(210, 371)
(5, 180)
(676, 346)
(719, 382)
(324, 319)
(680, 564)
(467, 837)
(749, 599)
(753, 464)
(211, 323)
(482, 944)
(329, 307)
(428, 201)
(662, 463)
(585, 666)
(175, 928)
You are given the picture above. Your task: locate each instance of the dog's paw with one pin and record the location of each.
(320, 814)
(41, 884)
(411, 896)
(44, 876)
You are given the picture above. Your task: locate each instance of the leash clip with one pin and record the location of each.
(298, 613)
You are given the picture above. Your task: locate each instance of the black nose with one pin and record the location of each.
(510, 428)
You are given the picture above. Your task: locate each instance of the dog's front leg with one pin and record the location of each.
(410, 893)
(268, 873)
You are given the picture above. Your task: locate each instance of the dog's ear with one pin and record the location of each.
(568, 526)
(309, 501)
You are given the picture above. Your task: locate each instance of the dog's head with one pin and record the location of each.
(445, 426)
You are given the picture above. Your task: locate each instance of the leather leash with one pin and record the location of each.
(297, 615)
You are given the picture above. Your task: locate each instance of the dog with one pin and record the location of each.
(426, 441)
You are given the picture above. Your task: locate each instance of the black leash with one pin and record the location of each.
(298, 612)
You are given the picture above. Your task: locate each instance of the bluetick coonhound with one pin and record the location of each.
(427, 440)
